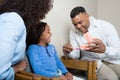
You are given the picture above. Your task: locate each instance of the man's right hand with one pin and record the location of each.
(67, 48)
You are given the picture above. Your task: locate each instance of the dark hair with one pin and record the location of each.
(34, 34)
(30, 10)
(75, 11)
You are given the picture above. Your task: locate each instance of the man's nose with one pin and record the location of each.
(78, 26)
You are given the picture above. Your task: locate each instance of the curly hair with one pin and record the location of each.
(34, 35)
(31, 11)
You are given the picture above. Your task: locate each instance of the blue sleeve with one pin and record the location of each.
(33, 55)
(60, 64)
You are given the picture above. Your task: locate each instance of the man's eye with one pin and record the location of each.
(75, 24)
(80, 23)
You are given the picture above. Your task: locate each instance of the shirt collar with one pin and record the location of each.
(93, 22)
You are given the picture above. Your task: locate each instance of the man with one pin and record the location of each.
(93, 39)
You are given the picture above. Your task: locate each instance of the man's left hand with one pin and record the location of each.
(99, 47)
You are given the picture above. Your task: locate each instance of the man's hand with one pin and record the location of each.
(99, 47)
(67, 48)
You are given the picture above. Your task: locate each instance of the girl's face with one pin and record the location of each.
(45, 37)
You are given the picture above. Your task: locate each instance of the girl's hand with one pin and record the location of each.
(69, 76)
(62, 78)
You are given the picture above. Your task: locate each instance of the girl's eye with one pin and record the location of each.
(48, 32)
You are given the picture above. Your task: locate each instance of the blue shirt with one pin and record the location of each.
(12, 43)
(45, 61)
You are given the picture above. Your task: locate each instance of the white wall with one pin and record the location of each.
(109, 10)
(59, 20)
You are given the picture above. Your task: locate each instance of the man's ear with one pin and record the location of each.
(87, 14)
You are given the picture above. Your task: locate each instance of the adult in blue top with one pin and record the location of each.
(43, 56)
(16, 18)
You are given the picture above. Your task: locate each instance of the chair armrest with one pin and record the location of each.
(89, 66)
(75, 63)
(23, 75)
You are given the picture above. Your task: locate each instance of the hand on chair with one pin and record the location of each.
(69, 76)
(62, 78)
(20, 66)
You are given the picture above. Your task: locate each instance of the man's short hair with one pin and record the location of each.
(75, 11)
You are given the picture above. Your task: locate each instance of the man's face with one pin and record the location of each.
(81, 22)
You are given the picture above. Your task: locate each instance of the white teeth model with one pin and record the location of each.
(88, 37)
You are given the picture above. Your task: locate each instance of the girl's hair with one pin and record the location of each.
(34, 34)
(30, 10)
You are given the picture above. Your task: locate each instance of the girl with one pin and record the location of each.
(43, 56)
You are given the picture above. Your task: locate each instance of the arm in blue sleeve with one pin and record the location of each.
(33, 55)
(59, 63)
